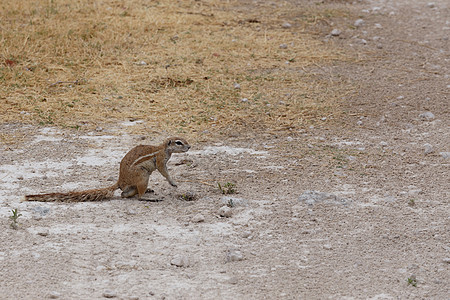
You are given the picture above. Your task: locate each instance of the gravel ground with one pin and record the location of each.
(355, 208)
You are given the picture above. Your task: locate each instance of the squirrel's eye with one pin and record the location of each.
(179, 143)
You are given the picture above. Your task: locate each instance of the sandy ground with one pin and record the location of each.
(350, 209)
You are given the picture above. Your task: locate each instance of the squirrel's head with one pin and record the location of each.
(177, 145)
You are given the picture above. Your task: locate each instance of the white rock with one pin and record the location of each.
(54, 295)
(234, 255)
(428, 148)
(359, 23)
(286, 25)
(427, 115)
(445, 154)
(237, 86)
(431, 5)
(327, 247)
(378, 26)
(244, 100)
(109, 294)
(283, 46)
(181, 261)
(336, 32)
(225, 211)
(198, 218)
(246, 234)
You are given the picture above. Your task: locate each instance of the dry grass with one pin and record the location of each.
(80, 64)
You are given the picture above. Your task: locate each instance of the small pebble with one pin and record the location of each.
(142, 63)
(20, 177)
(283, 46)
(378, 26)
(54, 295)
(428, 148)
(233, 280)
(198, 218)
(289, 139)
(43, 232)
(446, 260)
(327, 247)
(109, 294)
(445, 155)
(246, 234)
(237, 86)
(234, 255)
(180, 261)
(131, 212)
(427, 115)
(359, 23)
(336, 32)
(225, 211)
(244, 100)
(286, 25)
(431, 5)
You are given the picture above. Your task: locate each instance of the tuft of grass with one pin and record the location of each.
(188, 196)
(172, 64)
(412, 281)
(14, 217)
(227, 188)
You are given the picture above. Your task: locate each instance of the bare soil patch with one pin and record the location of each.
(351, 204)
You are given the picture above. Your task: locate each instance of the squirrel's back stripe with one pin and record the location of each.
(143, 158)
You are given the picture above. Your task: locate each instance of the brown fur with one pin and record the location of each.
(135, 170)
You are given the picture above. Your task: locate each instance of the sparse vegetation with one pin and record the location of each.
(15, 215)
(412, 281)
(230, 203)
(188, 196)
(227, 188)
(171, 64)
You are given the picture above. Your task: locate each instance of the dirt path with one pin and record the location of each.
(352, 209)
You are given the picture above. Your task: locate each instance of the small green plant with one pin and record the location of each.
(412, 202)
(230, 203)
(227, 188)
(14, 217)
(412, 281)
(188, 196)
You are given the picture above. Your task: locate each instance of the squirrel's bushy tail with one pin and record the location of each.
(81, 196)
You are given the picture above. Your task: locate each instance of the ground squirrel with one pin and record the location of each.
(135, 170)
